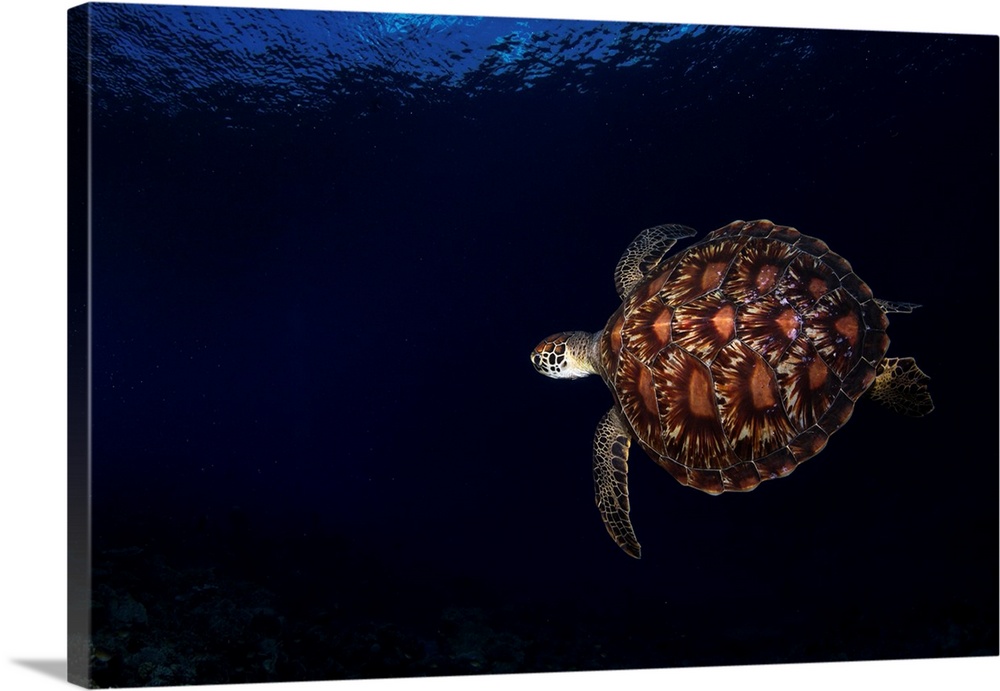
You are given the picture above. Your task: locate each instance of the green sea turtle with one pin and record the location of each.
(732, 361)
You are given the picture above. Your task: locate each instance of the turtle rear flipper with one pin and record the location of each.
(902, 386)
(611, 442)
(890, 306)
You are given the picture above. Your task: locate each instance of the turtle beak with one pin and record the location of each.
(536, 361)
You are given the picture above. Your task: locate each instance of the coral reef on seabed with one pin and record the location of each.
(156, 625)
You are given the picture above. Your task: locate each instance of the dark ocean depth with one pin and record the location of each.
(323, 247)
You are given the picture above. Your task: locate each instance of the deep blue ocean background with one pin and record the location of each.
(323, 246)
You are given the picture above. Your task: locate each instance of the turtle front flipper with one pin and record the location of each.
(645, 253)
(902, 386)
(611, 443)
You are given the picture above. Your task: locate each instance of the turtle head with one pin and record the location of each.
(566, 355)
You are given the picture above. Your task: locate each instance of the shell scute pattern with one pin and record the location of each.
(706, 480)
(808, 443)
(611, 343)
(648, 289)
(876, 343)
(638, 400)
(858, 288)
(756, 270)
(811, 245)
(648, 329)
(838, 414)
(705, 325)
(770, 326)
(737, 358)
(806, 280)
(835, 327)
(740, 477)
(875, 319)
(692, 426)
(859, 380)
(807, 384)
(752, 411)
(780, 463)
(699, 270)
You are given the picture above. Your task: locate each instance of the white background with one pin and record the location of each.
(33, 334)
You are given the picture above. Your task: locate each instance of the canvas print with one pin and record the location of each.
(319, 262)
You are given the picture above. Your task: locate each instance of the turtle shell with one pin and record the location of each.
(737, 358)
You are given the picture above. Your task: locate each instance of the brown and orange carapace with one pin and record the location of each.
(732, 361)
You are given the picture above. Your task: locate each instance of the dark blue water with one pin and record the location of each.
(324, 245)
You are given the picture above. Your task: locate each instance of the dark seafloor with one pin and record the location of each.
(323, 247)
